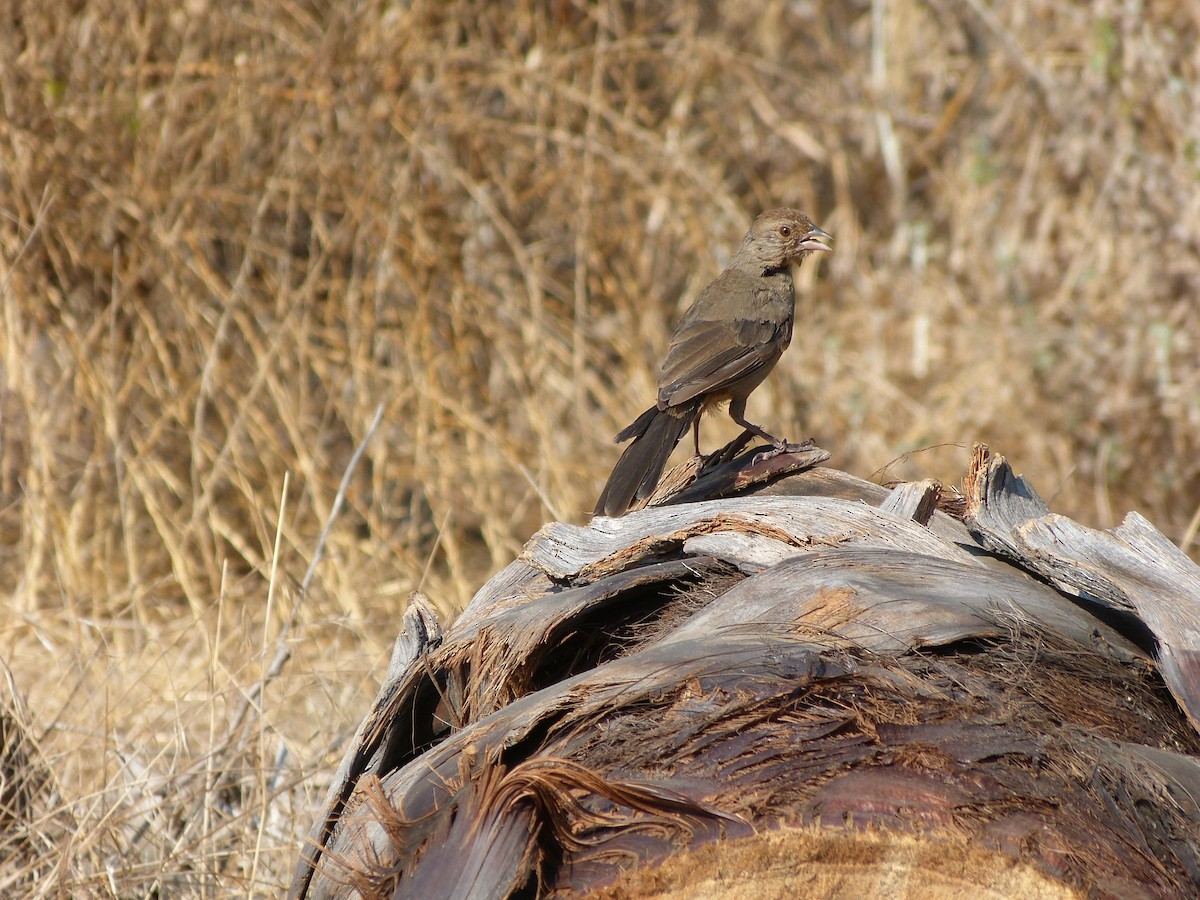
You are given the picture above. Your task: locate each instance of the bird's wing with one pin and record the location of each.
(708, 356)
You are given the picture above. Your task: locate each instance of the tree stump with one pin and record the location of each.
(782, 680)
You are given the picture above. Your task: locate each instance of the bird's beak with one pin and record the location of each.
(815, 240)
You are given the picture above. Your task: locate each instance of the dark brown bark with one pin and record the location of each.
(822, 653)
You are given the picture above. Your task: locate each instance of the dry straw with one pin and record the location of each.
(228, 232)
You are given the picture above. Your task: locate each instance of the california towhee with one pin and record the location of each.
(724, 347)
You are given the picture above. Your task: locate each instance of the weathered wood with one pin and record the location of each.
(519, 637)
(811, 653)
(516, 583)
(1131, 569)
(749, 553)
(916, 500)
(565, 551)
(889, 601)
(745, 669)
(419, 789)
(822, 481)
(837, 599)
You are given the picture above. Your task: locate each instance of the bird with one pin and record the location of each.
(724, 346)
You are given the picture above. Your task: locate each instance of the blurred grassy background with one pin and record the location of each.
(229, 232)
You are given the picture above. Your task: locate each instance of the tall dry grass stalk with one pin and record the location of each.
(229, 232)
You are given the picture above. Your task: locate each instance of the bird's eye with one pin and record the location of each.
(785, 231)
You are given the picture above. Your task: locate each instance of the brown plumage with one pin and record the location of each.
(725, 345)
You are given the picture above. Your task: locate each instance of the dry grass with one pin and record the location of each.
(228, 232)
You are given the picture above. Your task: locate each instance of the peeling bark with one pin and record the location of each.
(817, 653)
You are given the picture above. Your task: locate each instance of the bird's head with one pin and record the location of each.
(780, 237)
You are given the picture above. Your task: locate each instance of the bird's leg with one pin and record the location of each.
(737, 412)
(717, 456)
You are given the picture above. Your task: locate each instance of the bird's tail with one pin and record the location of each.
(655, 434)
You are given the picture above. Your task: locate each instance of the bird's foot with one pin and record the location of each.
(780, 448)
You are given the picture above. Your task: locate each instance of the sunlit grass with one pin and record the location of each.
(230, 232)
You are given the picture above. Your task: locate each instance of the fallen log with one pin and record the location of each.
(813, 679)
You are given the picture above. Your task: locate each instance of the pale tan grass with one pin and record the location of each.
(229, 232)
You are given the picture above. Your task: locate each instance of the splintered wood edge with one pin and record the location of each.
(915, 500)
(974, 483)
(1132, 568)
